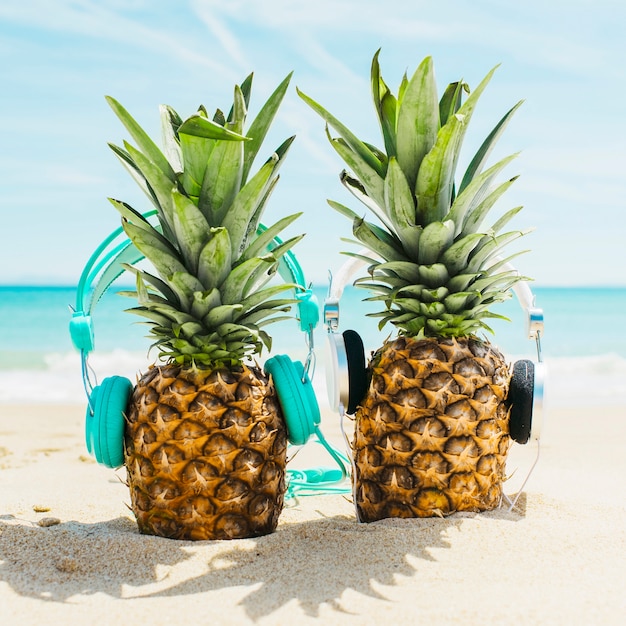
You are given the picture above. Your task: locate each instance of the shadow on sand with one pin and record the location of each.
(313, 562)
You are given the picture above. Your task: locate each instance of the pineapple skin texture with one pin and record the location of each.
(205, 452)
(431, 435)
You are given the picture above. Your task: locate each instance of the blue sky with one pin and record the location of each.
(59, 59)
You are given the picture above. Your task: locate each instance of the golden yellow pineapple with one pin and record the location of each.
(205, 441)
(206, 453)
(431, 433)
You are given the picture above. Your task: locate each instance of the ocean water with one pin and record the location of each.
(584, 344)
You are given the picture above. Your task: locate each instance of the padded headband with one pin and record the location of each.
(107, 263)
(534, 315)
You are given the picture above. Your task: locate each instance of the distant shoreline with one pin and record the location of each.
(122, 286)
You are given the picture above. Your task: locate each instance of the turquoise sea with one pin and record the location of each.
(584, 342)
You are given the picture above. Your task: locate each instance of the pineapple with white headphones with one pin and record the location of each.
(437, 406)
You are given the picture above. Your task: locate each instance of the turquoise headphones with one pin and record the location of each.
(107, 401)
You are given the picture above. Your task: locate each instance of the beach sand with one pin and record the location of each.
(70, 552)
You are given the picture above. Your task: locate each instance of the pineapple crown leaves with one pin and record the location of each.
(208, 300)
(437, 261)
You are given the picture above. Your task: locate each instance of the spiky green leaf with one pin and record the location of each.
(435, 179)
(356, 146)
(354, 186)
(400, 205)
(472, 196)
(456, 256)
(260, 125)
(481, 156)
(233, 288)
(435, 239)
(205, 301)
(219, 315)
(489, 247)
(131, 167)
(144, 142)
(343, 209)
(222, 181)
(370, 179)
(167, 292)
(215, 260)
(199, 126)
(170, 123)
(246, 89)
(264, 240)
(409, 272)
(418, 120)
(159, 184)
(435, 275)
(158, 251)
(248, 204)
(474, 219)
(451, 100)
(195, 153)
(378, 240)
(185, 285)
(191, 228)
(499, 224)
(386, 107)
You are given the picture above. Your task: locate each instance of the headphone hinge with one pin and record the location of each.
(308, 310)
(331, 313)
(534, 322)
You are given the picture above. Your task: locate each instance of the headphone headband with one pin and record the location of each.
(525, 297)
(107, 402)
(107, 263)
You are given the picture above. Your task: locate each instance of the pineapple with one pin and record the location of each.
(205, 440)
(431, 433)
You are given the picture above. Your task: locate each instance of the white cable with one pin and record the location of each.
(349, 454)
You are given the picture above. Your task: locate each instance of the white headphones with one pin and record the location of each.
(347, 377)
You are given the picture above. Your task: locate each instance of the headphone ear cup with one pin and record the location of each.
(357, 373)
(104, 428)
(520, 399)
(297, 398)
(346, 375)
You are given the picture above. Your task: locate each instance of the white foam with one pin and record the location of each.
(586, 381)
(571, 382)
(61, 381)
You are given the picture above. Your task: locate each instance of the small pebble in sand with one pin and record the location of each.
(40, 508)
(48, 521)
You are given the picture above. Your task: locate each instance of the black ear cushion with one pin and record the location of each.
(357, 374)
(520, 399)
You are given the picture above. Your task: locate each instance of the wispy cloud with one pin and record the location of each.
(548, 34)
(367, 17)
(564, 57)
(112, 21)
(230, 44)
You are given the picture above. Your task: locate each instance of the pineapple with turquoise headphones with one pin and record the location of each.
(204, 432)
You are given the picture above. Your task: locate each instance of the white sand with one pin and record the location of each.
(560, 558)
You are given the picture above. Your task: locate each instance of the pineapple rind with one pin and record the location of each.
(205, 453)
(431, 435)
